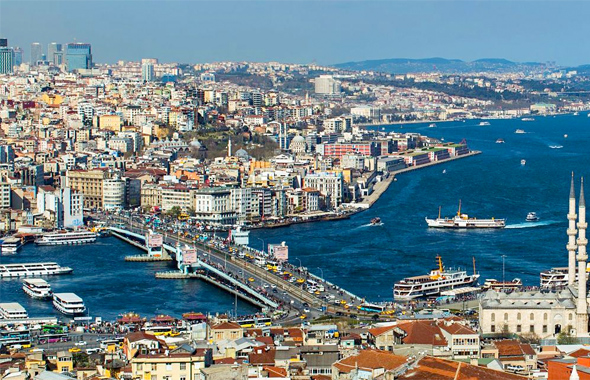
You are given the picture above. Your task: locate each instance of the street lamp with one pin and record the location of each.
(322, 271)
(262, 245)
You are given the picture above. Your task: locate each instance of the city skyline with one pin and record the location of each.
(321, 31)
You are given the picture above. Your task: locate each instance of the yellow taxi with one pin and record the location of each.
(251, 279)
(74, 349)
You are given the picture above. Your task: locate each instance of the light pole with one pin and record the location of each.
(301, 294)
(322, 271)
(262, 245)
(503, 271)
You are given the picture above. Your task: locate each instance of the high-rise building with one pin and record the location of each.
(18, 56)
(54, 53)
(3, 42)
(6, 60)
(78, 56)
(147, 70)
(36, 53)
(327, 85)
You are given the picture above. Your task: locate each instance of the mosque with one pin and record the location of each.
(546, 313)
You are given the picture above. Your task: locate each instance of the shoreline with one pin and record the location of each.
(378, 190)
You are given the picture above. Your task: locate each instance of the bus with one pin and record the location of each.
(15, 343)
(372, 308)
(255, 322)
(113, 343)
(53, 338)
(53, 329)
(15, 334)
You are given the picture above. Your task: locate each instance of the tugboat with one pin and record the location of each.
(375, 221)
(532, 217)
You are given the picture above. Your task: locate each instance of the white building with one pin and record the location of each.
(113, 193)
(213, 206)
(330, 186)
(64, 206)
(327, 85)
(241, 202)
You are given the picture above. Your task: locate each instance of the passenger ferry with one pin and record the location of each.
(439, 280)
(464, 221)
(12, 310)
(68, 303)
(484, 123)
(32, 270)
(67, 238)
(527, 119)
(37, 288)
(11, 245)
(505, 286)
(519, 131)
(557, 277)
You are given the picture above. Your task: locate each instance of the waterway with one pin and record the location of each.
(368, 260)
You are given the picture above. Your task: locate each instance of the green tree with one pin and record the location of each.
(174, 212)
(565, 337)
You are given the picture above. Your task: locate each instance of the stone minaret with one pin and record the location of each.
(229, 147)
(582, 312)
(571, 233)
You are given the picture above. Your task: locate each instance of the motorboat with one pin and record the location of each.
(532, 217)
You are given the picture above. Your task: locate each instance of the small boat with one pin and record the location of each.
(565, 136)
(500, 141)
(432, 125)
(519, 131)
(506, 286)
(532, 217)
(523, 162)
(484, 123)
(375, 221)
(576, 113)
(444, 171)
(527, 119)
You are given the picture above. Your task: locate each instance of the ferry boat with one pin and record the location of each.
(12, 310)
(500, 141)
(555, 278)
(464, 221)
(67, 238)
(439, 280)
(11, 245)
(505, 286)
(484, 123)
(532, 217)
(519, 131)
(32, 270)
(527, 119)
(68, 303)
(37, 288)
(375, 221)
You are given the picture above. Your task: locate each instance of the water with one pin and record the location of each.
(110, 286)
(367, 260)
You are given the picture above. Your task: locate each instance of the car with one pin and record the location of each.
(81, 343)
(74, 349)
(265, 286)
(273, 286)
(251, 279)
(306, 310)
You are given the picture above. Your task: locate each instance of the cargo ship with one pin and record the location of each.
(464, 221)
(434, 283)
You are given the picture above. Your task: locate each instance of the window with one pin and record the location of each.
(154, 367)
(505, 316)
(518, 328)
(493, 328)
(182, 367)
(532, 328)
(544, 316)
(140, 366)
(168, 366)
(532, 317)
(544, 328)
(493, 317)
(518, 316)
(571, 316)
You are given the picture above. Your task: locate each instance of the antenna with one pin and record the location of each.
(459, 211)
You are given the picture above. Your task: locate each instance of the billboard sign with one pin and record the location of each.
(155, 240)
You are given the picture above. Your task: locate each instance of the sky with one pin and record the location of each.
(321, 31)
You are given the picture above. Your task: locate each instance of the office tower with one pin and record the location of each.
(147, 70)
(3, 42)
(326, 85)
(78, 56)
(36, 53)
(54, 53)
(6, 60)
(18, 56)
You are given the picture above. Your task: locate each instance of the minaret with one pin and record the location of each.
(229, 147)
(582, 312)
(571, 233)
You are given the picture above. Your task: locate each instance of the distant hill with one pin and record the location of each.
(405, 65)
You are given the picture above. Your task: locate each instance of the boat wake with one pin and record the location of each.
(371, 225)
(555, 146)
(531, 224)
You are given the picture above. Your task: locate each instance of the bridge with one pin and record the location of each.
(241, 277)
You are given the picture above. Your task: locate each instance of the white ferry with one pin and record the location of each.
(68, 303)
(527, 119)
(484, 123)
(506, 286)
(439, 280)
(464, 221)
(519, 131)
(555, 278)
(11, 245)
(12, 310)
(32, 270)
(67, 238)
(37, 288)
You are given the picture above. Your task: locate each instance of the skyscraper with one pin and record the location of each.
(36, 53)
(3, 42)
(326, 85)
(18, 56)
(78, 56)
(147, 70)
(6, 60)
(54, 53)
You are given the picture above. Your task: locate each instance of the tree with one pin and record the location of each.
(565, 337)
(174, 212)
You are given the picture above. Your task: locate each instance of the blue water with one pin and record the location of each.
(368, 260)
(110, 286)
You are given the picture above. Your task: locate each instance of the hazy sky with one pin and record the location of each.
(325, 31)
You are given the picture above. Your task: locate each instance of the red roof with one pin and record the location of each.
(430, 368)
(371, 360)
(422, 332)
